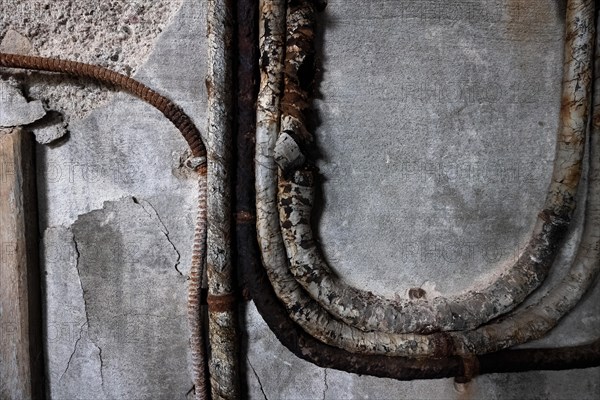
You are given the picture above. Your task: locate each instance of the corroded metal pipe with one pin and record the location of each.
(371, 312)
(298, 80)
(538, 319)
(306, 347)
(301, 307)
(222, 309)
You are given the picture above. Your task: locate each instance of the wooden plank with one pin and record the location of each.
(21, 360)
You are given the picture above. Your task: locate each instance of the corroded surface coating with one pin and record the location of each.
(223, 325)
(479, 305)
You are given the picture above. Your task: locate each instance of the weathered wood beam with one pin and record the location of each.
(21, 353)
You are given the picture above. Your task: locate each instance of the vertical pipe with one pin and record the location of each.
(247, 76)
(223, 322)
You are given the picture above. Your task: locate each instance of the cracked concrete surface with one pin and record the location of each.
(260, 385)
(133, 287)
(437, 130)
(15, 110)
(130, 299)
(71, 354)
(154, 214)
(124, 243)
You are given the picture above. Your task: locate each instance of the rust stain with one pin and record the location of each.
(221, 303)
(463, 384)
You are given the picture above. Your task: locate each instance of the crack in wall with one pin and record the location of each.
(191, 391)
(87, 320)
(326, 385)
(164, 229)
(74, 350)
(85, 308)
(258, 379)
(78, 255)
(101, 366)
(105, 357)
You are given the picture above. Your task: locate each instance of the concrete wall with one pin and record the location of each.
(438, 124)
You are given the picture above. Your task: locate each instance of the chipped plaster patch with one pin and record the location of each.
(15, 110)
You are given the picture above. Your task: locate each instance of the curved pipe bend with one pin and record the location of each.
(371, 312)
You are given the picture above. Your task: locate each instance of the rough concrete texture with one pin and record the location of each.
(15, 110)
(438, 123)
(439, 133)
(116, 34)
(49, 129)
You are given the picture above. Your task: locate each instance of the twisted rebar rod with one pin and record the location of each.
(196, 274)
(170, 110)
